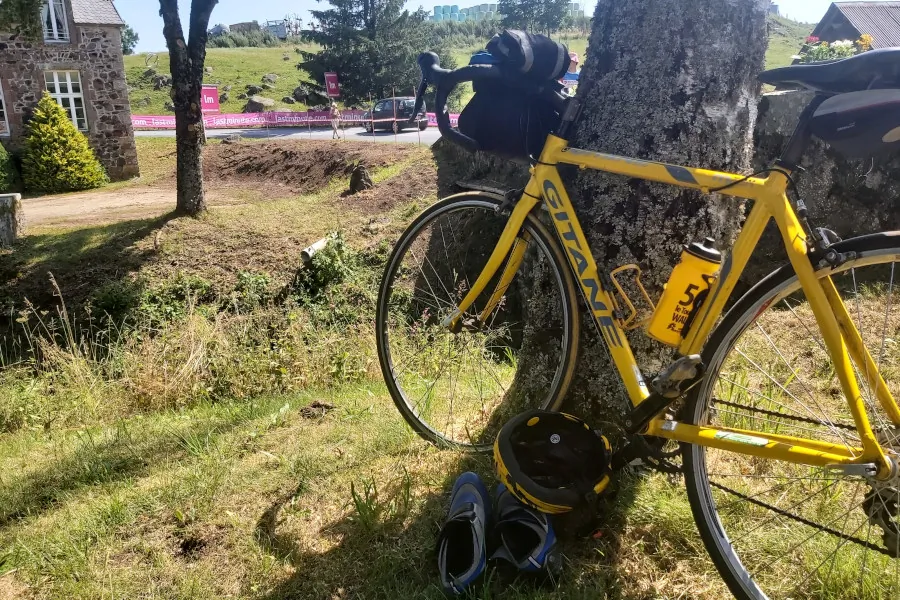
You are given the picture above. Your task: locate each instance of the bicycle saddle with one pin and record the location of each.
(876, 68)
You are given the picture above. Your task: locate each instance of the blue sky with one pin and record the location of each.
(143, 15)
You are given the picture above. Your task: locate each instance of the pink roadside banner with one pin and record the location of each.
(267, 119)
(332, 87)
(209, 99)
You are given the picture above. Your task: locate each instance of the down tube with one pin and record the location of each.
(585, 268)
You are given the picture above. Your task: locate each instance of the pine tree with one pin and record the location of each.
(537, 16)
(57, 157)
(371, 44)
(9, 177)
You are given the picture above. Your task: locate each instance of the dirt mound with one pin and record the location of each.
(296, 166)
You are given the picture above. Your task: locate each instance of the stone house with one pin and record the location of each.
(79, 62)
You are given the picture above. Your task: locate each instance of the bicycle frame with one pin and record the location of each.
(842, 339)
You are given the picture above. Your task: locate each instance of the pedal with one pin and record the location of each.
(630, 321)
(671, 384)
(679, 377)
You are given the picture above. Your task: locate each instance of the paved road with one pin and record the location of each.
(429, 136)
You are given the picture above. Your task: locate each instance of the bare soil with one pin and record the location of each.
(272, 169)
(290, 167)
(262, 216)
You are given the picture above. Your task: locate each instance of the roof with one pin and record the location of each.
(881, 20)
(95, 12)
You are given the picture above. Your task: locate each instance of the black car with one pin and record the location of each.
(395, 114)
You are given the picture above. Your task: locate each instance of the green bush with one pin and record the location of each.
(9, 176)
(249, 39)
(57, 157)
(172, 299)
(117, 299)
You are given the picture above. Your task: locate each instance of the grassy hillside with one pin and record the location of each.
(785, 39)
(238, 67)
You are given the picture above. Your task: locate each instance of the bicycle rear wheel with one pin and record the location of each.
(459, 388)
(780, 530)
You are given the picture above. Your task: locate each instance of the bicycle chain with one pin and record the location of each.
(773, 413)
(784, 513)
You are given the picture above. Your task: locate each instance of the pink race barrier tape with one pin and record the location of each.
(268, 119)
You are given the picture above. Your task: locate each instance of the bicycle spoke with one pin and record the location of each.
(844, 515)
(802, 383)
(455, 386)
(788, 530)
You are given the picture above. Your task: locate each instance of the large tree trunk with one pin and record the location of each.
(673, 81)
(186, 63)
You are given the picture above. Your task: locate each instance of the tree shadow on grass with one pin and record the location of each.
(99, 458)
(80, 259)
(396, 559)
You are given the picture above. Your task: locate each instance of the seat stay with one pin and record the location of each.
(860, 354)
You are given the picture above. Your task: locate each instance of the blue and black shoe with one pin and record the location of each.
(525, 536)
(461, 547)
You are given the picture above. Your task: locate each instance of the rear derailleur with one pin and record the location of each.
(882, 503)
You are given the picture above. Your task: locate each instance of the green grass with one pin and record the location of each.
(247, 500)
(785, 39)
(236, 67)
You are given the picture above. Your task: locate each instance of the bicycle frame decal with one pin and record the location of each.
(590, 283)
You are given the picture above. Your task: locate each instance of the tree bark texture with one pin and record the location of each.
(672, 81)
(186, 60)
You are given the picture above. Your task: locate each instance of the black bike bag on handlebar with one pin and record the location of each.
(535, 56)
(508, 122)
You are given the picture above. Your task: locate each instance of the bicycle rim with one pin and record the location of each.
(779, 530)
(459, 388)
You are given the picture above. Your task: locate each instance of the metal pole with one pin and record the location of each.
(418, 129)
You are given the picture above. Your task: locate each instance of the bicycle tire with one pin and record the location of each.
(778, 292)
(550, 248)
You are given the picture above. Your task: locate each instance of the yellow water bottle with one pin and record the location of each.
(689, 283)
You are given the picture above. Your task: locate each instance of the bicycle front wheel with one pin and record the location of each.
(459, 387)
(781, 530)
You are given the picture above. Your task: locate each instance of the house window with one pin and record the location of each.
(4, 124)
(65, 87)
(56, 27)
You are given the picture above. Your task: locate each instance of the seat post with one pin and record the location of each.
(796, 146)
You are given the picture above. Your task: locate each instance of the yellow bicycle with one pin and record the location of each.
(784, 407)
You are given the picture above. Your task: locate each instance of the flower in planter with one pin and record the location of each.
(822, 51)
(864, 42)
(812, 40)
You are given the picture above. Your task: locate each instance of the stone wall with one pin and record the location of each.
(851, 197)
(96, 52)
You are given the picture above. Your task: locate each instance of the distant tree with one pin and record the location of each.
(371, 44)
(538, 16)
(22, 17)
(130, 39)
(186, 62)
